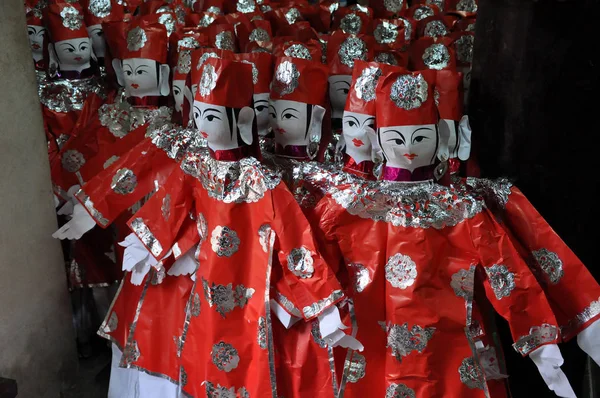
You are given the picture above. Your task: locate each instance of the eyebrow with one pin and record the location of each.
(422, 128)
(355, 119)
(261, 101)
(141, 66)
(343, 81)
(290, 109)
(212, 109)
(67, 44)
(395, 131)
(369, 119)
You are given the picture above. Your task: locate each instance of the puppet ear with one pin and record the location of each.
(444, 136)
(314, 134)
(164, 80)
(118, 67)
(244, 123)
(53, 60)
(93, 54)
(464, 130)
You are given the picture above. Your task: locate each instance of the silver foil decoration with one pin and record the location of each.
(467, 6)
(400, 271)
(538, 336)
(72, 160)
(366, 83)
(224, 356)
(495, 192)
(202, 226)
(438, 3)
(293, 16)
(189, 43)
(254, 71)
(386, 58)
(225, 41)
(589, 312)
(360, 276)
(502, 281)
(224, 241)
(169, 22)
(208, 80)
(435, 28)
(246, 6)
(464, 48)
(206, 20)
(422, 13)
(471, 374)
(100, 8)
(315, 331)
(352, 49)
(300, 262)
(184, 63)
(259, 35)
(146, 236)
(66, 95)
(262, 333)
(315, 309)
(399, 391)
(71, 18)
(224, 392)
(385, 33)
(550, 263)
(409, 92)
(112, 324)
(165, 208)
(264, 236)
(110, 161)
(286, 78)
(351, 24)
(124, 182)
(436, 56)
(204, 57)
(196, 305)
(298, 51)
(407, 29)
(393, 5)
(225, 297)
(463, 283)
(356, 365)
(404, 340)
(214, 10)
(136, 39)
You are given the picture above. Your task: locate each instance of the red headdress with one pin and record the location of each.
(435, 26)
(365, 75)
(388, 8)
(34, 18)
(97, 11)
(222, 36)
(422, 11)
(390, 34)
(65, 21)
(262, 70)
(284, 47)
(449, 94)
(351, 22)
(467, 7)
(142, 38)
(299, 80)
(201, 20)
(259, 31)
(343, 49)
(225, 82)
(181, 46)
(406, 99)
(200, 56)
(432, 53)
(463, 47)
(392, 57)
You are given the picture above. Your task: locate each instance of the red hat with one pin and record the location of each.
(388, 8)
(115, 33)
(406, 99)
(432, 53)
(259, 31)
(467, 7)
(225, 82)
(65, 21)
(296, 79)
(262, 69)
(391, 34)
(222, 36)
(287, 47)
(34, 17)
(201, 20)
(200, 56)
(466, 24)
(97, 11)
(365, 75)
(142, 38)
(448, 94)
(435, 26)
(343, 49)
(463, 47)
(213, 6)
(422, 11)
(351, 22)
(440, 4)
(392, 57)
(182, 44)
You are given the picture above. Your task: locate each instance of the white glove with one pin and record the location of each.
(284, 317)
(136, 259)
(69, 206)
(56, 201)
(589, 341)
(186, 264)
(331, 326)
(548, 360)
(80, 223)
(464, 130)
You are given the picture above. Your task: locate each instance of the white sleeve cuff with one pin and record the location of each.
(284, 317)
(548, 360)
(589, 341)
(331, 326)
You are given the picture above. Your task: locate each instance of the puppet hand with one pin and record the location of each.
(77, 226)
(589, 341)
(548, 359)
(331, 328)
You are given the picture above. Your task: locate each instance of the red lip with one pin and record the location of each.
(78, 58)
(280, 130)
(204, 134)
(410, 156)
(35, 46)
(135, 85)
(357, 143)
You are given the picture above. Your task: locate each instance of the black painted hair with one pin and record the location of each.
(309, 109)
(232, 117)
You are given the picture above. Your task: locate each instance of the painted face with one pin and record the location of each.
(74, 54)
(178, 86)
(261, 108)
(36, 41)
(339, 86)
(289, 121)
(358, 142)
(214, 125)
(141, 77)
(409, 147)
(98, 42)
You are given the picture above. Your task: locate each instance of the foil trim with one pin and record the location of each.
(538, 336)
(89, 205)
(268, 322)
(146, 236)
(590, 312)
(317, 308)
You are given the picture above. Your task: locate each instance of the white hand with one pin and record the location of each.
(548, 360)
(69, 206)
(77, 226)
(284, 317)
(186, 264)
(589, 341)
(464, 130)
(331, 326)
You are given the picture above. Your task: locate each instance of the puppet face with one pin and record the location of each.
(261, 108)
(36, 40)
(141, 77)
(339, 86)
(409, 147)
(74, 54)
(178, 94)
(98, 42)
(356, 128)
(290, 122)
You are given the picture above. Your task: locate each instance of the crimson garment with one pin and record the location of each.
(572, 291)
(413, 250)
(246, 219)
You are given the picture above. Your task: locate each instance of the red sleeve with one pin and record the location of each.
(311, 283)
(512, 288)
